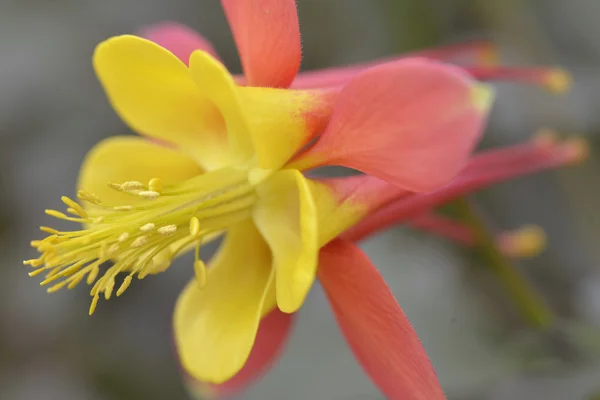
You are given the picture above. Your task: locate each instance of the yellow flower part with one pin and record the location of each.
(216, 166)
(220, 158)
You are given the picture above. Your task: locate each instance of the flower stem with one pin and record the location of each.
(527, 300)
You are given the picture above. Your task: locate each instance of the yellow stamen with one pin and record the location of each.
(48, 230)
(116, 186)
(93, 274)
(194, 226)
(75, 281)
(57, 287)
(124, 285)
(71, 270)
(147, 227)
(148, 194)
(123, 208)
(113, 249)
(108, 289)
(88, 197)
(125, 234)
(34, 262)
(59, 215)
(78, 210)
(200, 272)
(139, 242)
(53, 273)
(93, 305)
(132, 185)
(37, 272)
(167, 230)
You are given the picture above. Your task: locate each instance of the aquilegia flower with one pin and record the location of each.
(227, 155)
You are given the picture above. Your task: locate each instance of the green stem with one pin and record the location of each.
(529, 303)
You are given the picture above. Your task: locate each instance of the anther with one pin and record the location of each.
(147, 227)
(75, 281)
(123, 237)
(96, 288)
(115, 186)
(124, 285)
(195, 226)
(49, 230)
(36, 272)
(36, 262)
(52, 274)
(132, 185)
(123, 208)
(167, 230)
(93, 305)
(149, 194)
(56, 214)
(146, 269)
(89, 197)
(113, 249)
(93, 274)
(155, 185)
(72, 269)
(78, 210)
(108, 289)
(56, 287)
(103, 250)
(139, 242)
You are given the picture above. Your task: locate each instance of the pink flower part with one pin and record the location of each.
(412, 122)
(267, 35)
(377, 331)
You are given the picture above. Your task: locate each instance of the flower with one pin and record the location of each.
(228, 158)
(227, 154)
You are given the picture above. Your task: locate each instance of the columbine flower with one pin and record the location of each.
(226, 158)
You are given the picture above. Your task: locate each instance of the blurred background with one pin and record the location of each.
(52, 110)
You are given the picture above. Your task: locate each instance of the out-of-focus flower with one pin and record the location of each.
(229, 158)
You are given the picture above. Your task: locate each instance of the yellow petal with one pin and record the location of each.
(272, 124)
(282, 121)
(154, 93)
(342, 202)
(286, 216)
(129, 158)
(217, 84)
(215, 327)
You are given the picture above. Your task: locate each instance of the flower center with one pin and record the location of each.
(143, 237)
